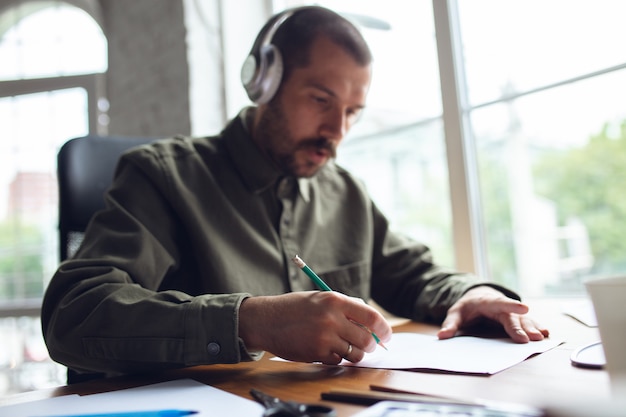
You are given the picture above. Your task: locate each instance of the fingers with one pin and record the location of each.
(353, 353)
(520, 327)
(365, 326)
(358, 325)
(311, 326)
(523, 329)
(487, 303)
(450, 325)
(513, 327)
(543, 330)
(533, 330)
(345, 350)
(493, 307)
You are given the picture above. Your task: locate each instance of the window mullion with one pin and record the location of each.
(468, 232)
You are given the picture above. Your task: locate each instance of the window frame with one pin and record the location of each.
(469, 238)
(469, 232)
(93, 84)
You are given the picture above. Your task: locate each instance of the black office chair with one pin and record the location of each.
(85, 168)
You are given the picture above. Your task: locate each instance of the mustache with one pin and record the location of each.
(320, 144)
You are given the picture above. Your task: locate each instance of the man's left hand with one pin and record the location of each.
(486, 302)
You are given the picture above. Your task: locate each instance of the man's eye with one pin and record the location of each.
(320, 100)
(353, 114)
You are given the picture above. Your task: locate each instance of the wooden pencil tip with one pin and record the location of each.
(299, 262)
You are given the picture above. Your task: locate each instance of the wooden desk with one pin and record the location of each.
(548, 378)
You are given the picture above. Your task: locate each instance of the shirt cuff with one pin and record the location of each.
(503, 290)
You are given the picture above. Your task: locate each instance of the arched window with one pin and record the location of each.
(53, 56)
(49, 39)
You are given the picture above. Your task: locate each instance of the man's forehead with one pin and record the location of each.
(325, 53)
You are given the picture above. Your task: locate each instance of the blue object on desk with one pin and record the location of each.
(158, 413)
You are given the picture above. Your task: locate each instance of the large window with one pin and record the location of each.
(51, 58)
(499, 138)
(547, 109)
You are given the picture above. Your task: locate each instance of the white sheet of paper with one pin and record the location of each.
(581, 310)
(463, 354)
(182, 394)
(37, 408)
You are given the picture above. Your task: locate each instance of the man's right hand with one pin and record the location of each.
(311, 326)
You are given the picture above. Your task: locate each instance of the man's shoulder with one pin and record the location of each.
(177, 147)
(186, 146)
(175, 157)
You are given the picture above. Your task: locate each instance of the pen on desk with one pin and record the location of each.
(155, 413)
(322, 285)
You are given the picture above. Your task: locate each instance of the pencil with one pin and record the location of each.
(159, 413)
(323, 286)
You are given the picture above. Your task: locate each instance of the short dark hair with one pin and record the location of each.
(294, 38)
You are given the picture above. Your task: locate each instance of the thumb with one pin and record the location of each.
(450, 326)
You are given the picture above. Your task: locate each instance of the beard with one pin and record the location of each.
(274, 138)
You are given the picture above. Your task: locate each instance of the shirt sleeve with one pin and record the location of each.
(113, 307)
(408, 283)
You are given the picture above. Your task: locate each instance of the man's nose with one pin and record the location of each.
(335, 125)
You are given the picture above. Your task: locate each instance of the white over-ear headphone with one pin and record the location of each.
(262, 70)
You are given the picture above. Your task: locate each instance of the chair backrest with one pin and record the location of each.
(85, 168)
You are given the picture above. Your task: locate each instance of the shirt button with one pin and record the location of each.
(213, 348)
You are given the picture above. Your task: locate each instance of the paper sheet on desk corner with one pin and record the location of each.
(462, 354)
(581, 310)
(182, 394)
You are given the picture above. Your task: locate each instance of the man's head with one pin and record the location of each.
(284, 43)
(322, 89)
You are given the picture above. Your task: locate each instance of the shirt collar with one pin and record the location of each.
(256, 169)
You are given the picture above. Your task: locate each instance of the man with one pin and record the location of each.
(190, 263)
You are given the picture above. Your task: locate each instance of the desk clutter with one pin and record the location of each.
(547, 381)
(167, 399)
(405, 409)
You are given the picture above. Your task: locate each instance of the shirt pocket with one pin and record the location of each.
(352, 279)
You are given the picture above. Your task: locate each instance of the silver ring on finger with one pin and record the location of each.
(348, 351)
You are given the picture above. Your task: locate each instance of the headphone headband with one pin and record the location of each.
(262, 70)
(280, 19)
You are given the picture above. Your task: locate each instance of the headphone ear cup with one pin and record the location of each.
(261, 78)
(249, 74)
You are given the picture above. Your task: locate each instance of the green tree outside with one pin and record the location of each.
(589, 183)
(21, 263)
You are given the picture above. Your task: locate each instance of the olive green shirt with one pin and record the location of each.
(195, 225)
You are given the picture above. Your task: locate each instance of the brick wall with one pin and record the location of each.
(148, 78)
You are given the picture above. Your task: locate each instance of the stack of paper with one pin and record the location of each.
(463, 354)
